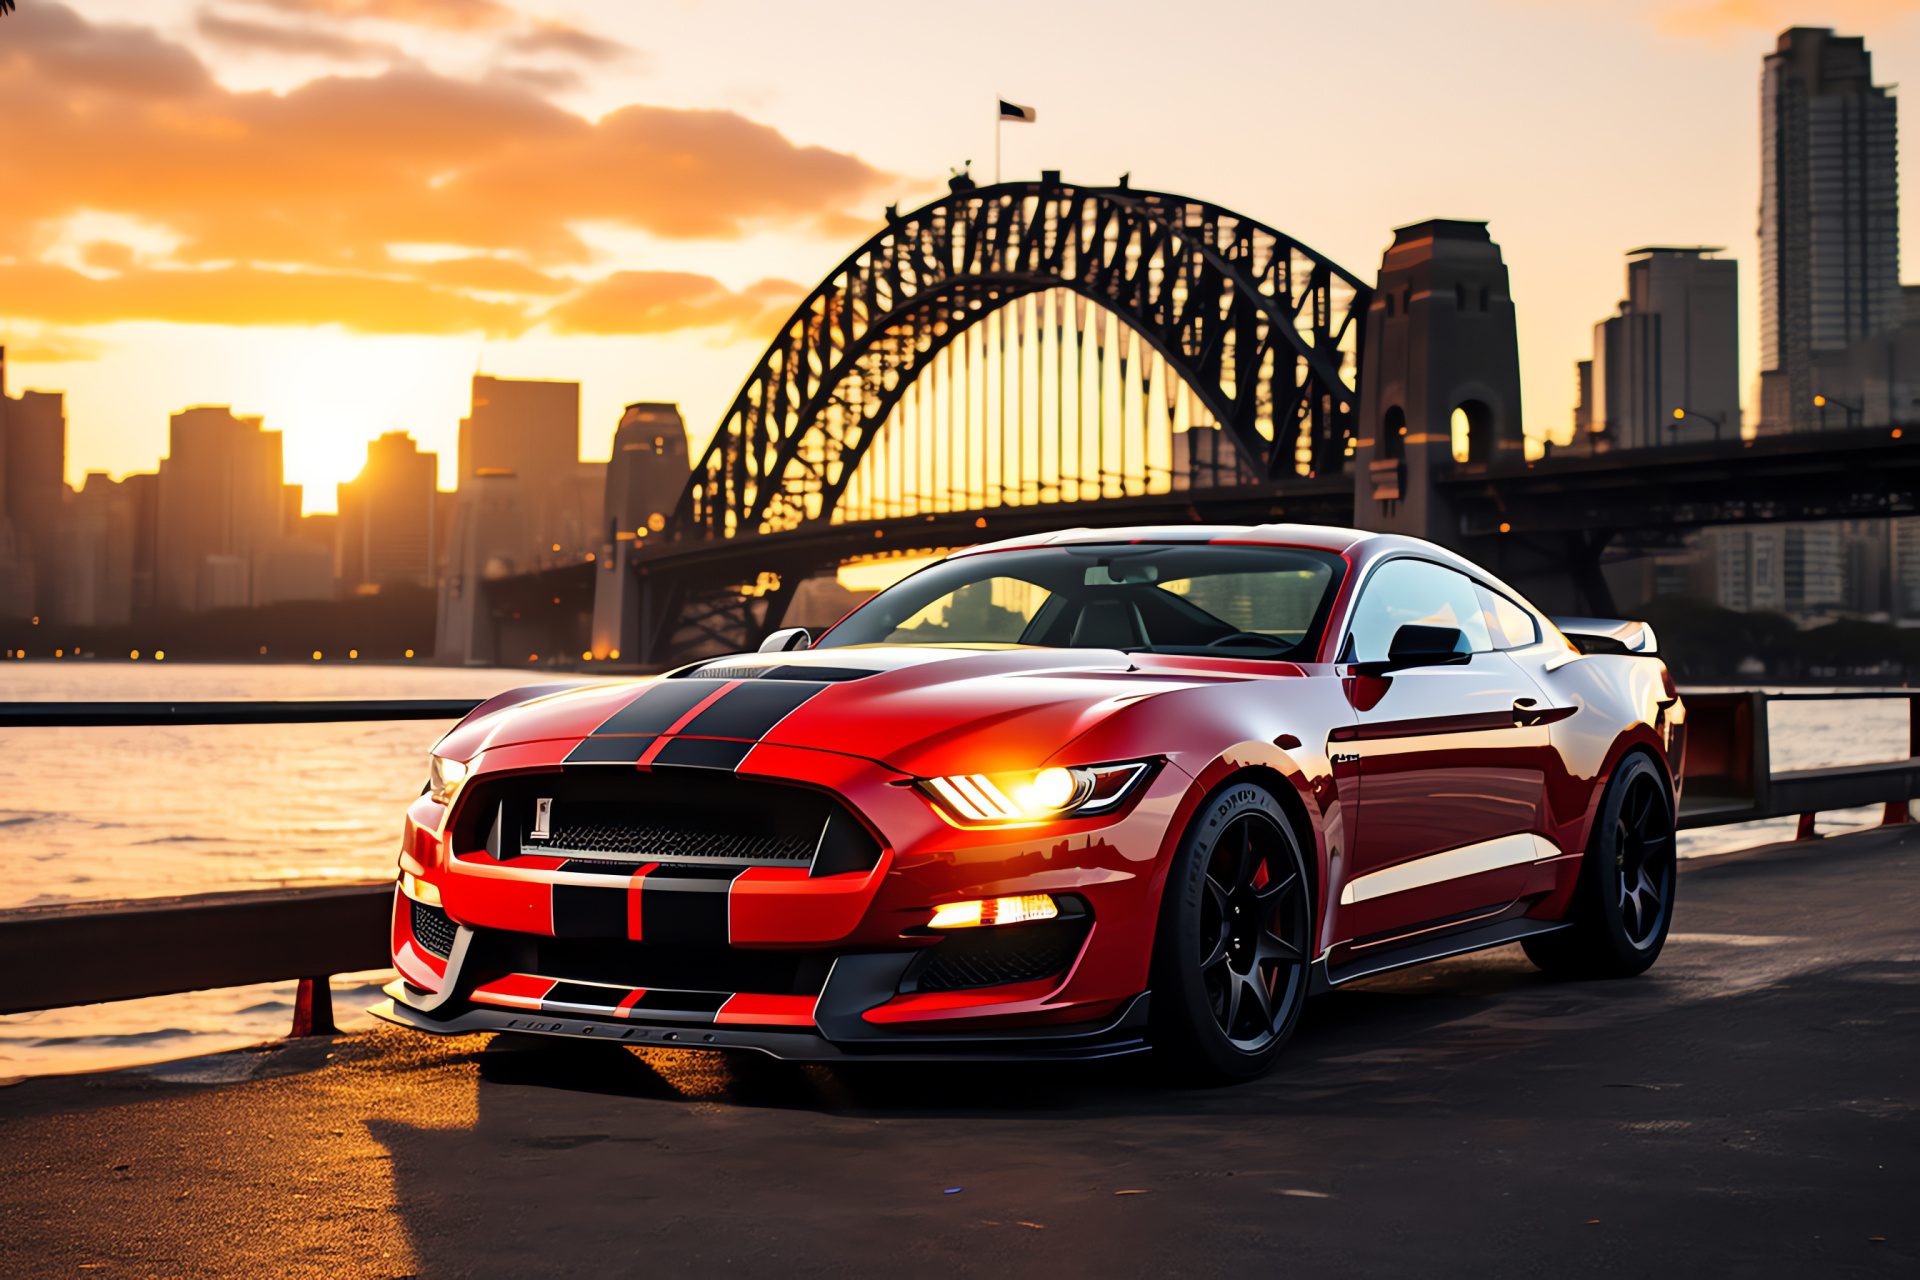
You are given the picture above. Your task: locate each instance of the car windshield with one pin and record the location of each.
(1260, 602)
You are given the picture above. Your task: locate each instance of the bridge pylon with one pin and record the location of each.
(1440, 399)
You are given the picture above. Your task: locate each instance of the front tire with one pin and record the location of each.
(1230, 962)
(1623, 905)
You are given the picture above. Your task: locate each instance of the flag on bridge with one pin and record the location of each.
(1014, 111)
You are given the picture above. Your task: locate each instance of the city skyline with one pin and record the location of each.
(704, 296)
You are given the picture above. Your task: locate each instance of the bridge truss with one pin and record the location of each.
(1020, 345)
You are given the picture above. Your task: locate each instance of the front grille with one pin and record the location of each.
(432, 929)
(688, 816)
(601, 829)
(993, 957)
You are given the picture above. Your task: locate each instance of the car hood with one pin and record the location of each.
(923, 710)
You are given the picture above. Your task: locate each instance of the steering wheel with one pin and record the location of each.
(1245, 637)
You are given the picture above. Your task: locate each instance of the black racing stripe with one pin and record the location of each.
(704, 753)
(589, 911)
(609, 750)
(684, 1001)
(835, 674)
(591, 995)
(677, 907)
(659, 708)
(752, 709)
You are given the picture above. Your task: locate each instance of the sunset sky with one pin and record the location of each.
(332, 212)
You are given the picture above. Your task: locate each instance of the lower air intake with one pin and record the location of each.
(432, 929)
(993, 957)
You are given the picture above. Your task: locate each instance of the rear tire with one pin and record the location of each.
(1623, 904)
(1230, 956)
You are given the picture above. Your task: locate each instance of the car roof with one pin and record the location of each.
(1318, 536)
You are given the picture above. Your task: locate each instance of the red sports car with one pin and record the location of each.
(1066, 796)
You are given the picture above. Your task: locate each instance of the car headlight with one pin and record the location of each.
(1002, 799)
(444, 777)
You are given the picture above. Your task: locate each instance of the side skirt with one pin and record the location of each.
(1453, 944)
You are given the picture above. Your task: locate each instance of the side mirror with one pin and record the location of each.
(786, 640)
(1415, 645)
(1420, 646)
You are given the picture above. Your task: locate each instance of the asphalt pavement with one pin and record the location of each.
(1745, 1109)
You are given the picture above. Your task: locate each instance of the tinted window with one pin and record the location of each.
(1404, 591)
(1512, 626)
(1261, 602)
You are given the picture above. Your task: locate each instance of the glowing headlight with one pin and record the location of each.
(1005, 798)
(444, 777)
(983, 911)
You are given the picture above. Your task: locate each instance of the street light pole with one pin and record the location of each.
(1680, 414)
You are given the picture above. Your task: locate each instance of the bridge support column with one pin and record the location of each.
(1440, 402)
(617, 621)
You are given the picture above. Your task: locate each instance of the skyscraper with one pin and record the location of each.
(1829, 215)
(221, 520)
(33, 485)
(386, 520)
(1666, 369)
(525, 502)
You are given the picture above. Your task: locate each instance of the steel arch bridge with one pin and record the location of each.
(1264, 334)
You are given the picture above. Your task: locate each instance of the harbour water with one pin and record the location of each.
(98, 814)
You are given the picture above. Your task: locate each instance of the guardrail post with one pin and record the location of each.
(313, 1008)
(1896, 813)
(1806, 831)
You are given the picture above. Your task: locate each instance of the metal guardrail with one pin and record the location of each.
(165, 946)
(311, 711)
(1728, 773)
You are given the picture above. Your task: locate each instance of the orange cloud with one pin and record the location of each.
(561, 37)
(641, 302)
(300, 195)
(1714, 16)
(456, 15)
(249, 296)
(261, 37)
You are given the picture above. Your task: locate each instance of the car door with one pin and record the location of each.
(1451, 756)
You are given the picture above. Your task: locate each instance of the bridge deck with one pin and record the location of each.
(1746, 1109)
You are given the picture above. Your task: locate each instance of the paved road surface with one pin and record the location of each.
(1747, 1109)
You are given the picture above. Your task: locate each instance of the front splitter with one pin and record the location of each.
(1119, 1036)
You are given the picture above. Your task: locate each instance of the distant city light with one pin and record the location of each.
(409, 653)
(615, 655)
(316, 655)
(159, 655)
(135, 655)
(587, 657)
(353, 653)
(533, 657)
(59, 653)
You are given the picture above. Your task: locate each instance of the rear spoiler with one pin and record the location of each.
(1609, 635)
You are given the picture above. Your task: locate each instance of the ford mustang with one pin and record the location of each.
(1068, 796)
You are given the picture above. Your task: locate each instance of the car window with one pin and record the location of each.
(1414, 591)
(1234, 600)
(992, 611)
(1512, 626)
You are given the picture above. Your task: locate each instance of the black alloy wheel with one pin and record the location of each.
(1623, 905)
(1235, 940)
(1643, 854)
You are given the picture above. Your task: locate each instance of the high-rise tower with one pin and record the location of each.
(1829, 214)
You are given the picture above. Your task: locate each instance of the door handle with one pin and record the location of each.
(1524, 715)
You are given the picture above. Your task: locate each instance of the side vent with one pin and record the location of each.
(844, 846)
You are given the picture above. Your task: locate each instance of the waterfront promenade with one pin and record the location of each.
(1746, 1109)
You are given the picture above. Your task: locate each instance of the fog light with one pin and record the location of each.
(419, 890)
(982, 911)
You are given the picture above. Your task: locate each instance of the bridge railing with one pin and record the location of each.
(88, 953)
